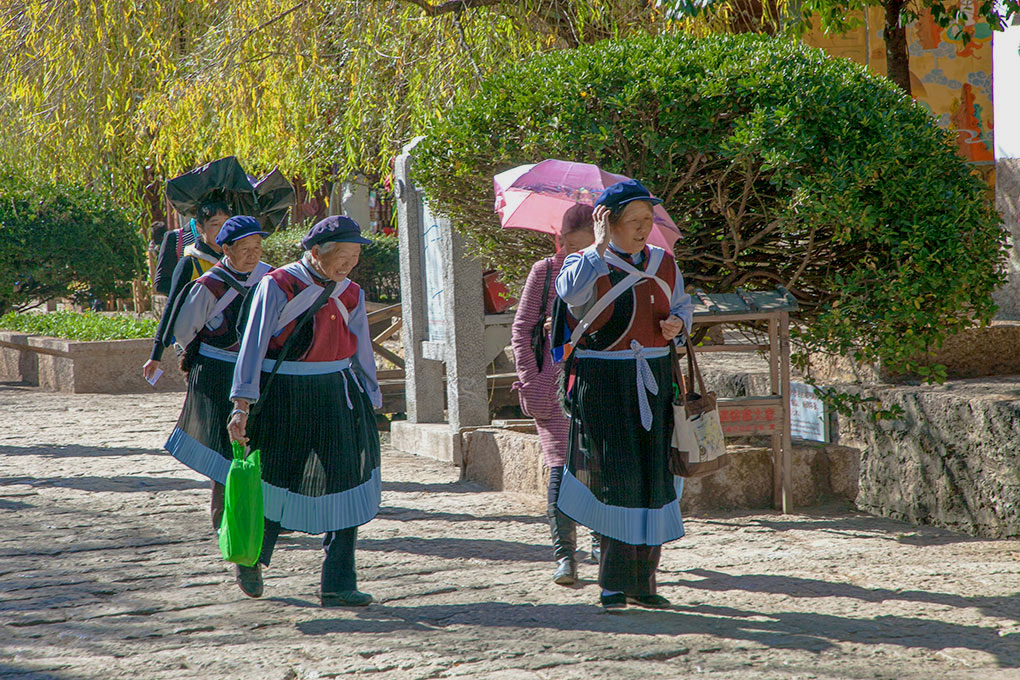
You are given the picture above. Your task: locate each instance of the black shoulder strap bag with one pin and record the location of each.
(289, 344)
(538, 332)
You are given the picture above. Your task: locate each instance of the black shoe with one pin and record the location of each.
(566, 572)
(346, 598)
(614, 601)
(250, 580)
(649, 601)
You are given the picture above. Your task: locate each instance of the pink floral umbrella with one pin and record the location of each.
(536, 196)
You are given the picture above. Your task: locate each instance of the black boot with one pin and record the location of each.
(564, 544)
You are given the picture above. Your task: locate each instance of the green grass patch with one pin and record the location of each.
(79, 325)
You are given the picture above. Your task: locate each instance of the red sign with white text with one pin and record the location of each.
(744, 420)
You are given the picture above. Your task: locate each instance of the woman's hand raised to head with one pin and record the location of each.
(671, 326)
(601, 218)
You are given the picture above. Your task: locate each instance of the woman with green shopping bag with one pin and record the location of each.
(306, 378)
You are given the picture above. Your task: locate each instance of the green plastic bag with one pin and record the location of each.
(243, 524)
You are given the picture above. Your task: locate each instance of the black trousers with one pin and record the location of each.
(338, 573)
(628, 568)
(555, 479)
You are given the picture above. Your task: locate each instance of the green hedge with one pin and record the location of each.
(79, 325)
(779, 164)
(59, 240)
(378, 270)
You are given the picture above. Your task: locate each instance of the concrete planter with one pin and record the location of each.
(108, 367)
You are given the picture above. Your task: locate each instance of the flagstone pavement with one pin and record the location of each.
(109, 569)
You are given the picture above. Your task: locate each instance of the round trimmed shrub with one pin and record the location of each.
(61, 240)
(779, 164)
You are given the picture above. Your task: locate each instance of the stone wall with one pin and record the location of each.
(512, 461)
(951, 459)
(110, 367)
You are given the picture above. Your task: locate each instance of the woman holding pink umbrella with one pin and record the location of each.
(539, 378)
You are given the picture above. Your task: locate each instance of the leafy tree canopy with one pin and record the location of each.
(62, 240)
(780, 165)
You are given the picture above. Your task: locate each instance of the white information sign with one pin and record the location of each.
(433, 260)
(807, 414)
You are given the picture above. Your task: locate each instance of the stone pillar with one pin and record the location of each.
(466, 386)
(423, 377)
(444, 326)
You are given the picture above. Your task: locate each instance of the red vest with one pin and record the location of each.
(635, 315)
(327, 337)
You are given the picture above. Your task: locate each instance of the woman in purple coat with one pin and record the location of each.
(539, 378)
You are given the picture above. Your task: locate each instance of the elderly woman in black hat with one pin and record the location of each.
(204, 332)
(305, 379)
(625, 302)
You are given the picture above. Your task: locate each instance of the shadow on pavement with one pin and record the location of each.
(402, 514)
(798, 630)
(71, 451)
(1007, 607)
(460, 548)
(28, 673)
(120, 483)
(419, 487)
(854, 526)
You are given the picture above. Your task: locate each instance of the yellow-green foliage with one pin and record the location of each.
(124, 93)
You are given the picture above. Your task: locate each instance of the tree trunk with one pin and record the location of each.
(897, 57)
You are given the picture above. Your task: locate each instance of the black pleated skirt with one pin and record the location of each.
(617, 480)
(320, 452)
(200, 439)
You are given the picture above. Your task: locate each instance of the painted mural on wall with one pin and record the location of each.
(952, 79)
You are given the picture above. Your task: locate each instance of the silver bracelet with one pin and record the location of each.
(238, 410)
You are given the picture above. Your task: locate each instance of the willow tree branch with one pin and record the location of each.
(467, 48)
(452, 5)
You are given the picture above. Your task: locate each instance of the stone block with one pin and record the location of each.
(508, 460)
(505, 460)
(432, 440)
(17, 362)
(107, 367)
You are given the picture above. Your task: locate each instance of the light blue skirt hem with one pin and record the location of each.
(635, 526)
(197, 456)
(319, 514)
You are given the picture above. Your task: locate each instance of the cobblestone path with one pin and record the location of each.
(109, 569)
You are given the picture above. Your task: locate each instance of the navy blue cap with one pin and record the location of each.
(335, 228)
(237, 227)
(620, 194)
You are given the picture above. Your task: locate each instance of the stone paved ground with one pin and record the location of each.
(108, 569)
